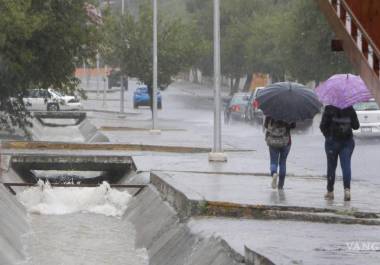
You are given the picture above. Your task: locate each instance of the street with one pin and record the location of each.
(190, 107)
(134, 132)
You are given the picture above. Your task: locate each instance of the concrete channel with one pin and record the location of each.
(157, 227)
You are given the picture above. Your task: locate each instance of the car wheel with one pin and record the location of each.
(53, 107)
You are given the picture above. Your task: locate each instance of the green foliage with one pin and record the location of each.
(128, 44)
(39, 43)
(309, 53)
(287, 38)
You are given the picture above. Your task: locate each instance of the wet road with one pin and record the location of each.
(191, 107)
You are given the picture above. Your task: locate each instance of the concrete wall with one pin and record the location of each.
(13, 225)
(168, 240)
(91, 134)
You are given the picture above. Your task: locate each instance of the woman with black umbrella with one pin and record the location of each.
(284, 104)
(279, 142)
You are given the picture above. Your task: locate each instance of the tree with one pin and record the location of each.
(287, 39)
(310, 56)
(40, 42)
(267, 45)
(236, 21)
(134, 53)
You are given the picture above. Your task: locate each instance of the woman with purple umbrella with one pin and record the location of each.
(339, 93)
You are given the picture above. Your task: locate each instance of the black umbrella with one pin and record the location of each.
(289, 102)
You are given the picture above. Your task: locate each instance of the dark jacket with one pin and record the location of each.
(330, 112)
(288, 126)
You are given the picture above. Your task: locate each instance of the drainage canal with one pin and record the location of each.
(71, 168)
(63, 126)
(80, 222)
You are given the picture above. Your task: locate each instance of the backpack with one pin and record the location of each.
(277, 135)
(341, 127)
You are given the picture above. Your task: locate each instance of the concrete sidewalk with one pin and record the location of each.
(305, 194)
(296, 226)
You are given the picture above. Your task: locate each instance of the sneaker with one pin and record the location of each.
(347, 195)
(274, 181)
(329, 195)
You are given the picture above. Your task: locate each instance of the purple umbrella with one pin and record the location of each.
(343, 90)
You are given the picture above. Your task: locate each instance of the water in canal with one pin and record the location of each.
(79, 226)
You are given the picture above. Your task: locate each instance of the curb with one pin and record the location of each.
(42, 145)
(116, 128)
(111, 111)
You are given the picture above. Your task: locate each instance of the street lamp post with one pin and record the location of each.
(105, 85)
(217, 154)
(122, 90)
(97, 73)
(155, 129)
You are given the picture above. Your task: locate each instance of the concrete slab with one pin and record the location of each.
(255, 190)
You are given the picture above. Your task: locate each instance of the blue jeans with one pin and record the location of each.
(278, 158)
(343, 149)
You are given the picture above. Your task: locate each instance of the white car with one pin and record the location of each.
(369, 118)
(51, 100)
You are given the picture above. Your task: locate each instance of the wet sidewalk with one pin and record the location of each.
(256, 190)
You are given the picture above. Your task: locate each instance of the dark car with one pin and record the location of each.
(114, 79)
(236, 107)
(253, 112)
(141, 97)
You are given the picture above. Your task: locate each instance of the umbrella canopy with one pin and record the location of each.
(343, 90)
(289, 102)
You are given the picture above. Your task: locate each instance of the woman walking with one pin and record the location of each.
(284, 104)
(336, 125)
(279, 142)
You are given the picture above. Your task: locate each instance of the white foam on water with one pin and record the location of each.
(47, 200)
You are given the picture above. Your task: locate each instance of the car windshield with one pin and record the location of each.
(239, 99)
(142, 90)
(371, 105)
(55, 92)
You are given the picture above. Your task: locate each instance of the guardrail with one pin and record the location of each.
(361, 38)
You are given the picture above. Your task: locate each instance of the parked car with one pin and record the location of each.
(141, 97)
(50, 100)
(236, 107)
(369, 118)
(253, 112)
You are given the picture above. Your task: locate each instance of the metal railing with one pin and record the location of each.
(361, 38)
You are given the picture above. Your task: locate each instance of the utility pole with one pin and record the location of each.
(155, 129)
(85, 74)
(97, 74)
(217, 154)
(122, 90)
(105, 86)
